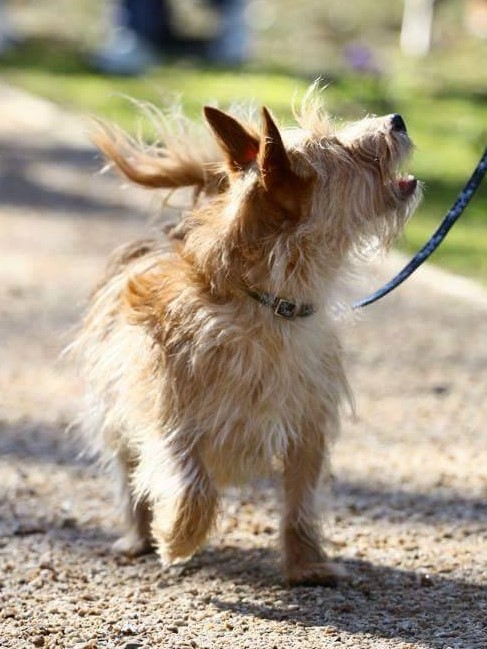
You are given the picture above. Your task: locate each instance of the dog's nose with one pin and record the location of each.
(398, 123)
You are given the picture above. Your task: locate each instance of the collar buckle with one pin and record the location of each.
(281, 307)
(285, 309)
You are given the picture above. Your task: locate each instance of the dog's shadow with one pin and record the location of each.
(381, 601)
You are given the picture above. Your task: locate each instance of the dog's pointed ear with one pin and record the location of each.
(273, 159)
(240, 146)
(281, 183)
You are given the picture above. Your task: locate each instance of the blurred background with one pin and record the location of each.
(424, 59)
(409, 512)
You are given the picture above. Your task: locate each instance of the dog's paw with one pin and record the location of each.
(174, 550)
(320, 573)
(132, 545)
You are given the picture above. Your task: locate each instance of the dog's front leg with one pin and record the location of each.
(184, 501)
(305, 562)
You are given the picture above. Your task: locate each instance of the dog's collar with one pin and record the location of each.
(282, 307)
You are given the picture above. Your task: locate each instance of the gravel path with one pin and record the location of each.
(408, 508)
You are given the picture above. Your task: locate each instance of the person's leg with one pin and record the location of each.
(149, 19)
(231, 45)
(7, 33)
(129, 49)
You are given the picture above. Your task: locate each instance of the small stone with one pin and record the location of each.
(88, 597)
(9, 613)
(83, 611)
(129, 629)
(45, 562)
(30, 575)
(28, 528)
(440, 389)
(68, 522)
(425, 580)
(38, 641)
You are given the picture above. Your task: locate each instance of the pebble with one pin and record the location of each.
(425, 580)
(129, 629)
(45, 562)
(28, 528)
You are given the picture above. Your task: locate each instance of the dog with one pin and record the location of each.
(211, 352)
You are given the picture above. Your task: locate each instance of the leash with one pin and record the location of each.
(436, 238)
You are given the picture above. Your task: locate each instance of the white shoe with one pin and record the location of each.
(124, 54)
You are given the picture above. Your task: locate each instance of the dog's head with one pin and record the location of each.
(299, 201)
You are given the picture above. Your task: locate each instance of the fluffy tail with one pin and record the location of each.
(185, 160)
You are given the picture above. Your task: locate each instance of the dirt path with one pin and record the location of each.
(408, 513)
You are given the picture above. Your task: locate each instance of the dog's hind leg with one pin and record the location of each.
(305, 562)
(135, 511)
(184, 501)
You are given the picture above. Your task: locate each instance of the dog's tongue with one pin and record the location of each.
(407, 185)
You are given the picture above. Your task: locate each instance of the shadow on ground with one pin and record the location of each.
(27, 172)
(378, 502)
(413, 606)
(40, 442)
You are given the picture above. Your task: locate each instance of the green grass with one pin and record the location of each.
(446, 116)
(56, 70)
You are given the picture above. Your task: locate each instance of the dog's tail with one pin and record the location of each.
(184, 160)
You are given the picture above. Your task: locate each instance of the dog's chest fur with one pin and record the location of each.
(248, 383)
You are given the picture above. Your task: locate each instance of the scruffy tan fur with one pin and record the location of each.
(194, 384)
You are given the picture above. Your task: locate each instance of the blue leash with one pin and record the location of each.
(451, 217)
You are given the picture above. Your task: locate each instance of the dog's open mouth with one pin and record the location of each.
(406, 186)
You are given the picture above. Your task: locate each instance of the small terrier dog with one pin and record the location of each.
(211, 352)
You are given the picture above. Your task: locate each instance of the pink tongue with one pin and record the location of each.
(407, 184)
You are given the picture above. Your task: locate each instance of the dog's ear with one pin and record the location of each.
(279, 180)
(240, 146)
(274, 163)
(273, 159)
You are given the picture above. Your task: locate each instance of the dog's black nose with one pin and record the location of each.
(398, 123)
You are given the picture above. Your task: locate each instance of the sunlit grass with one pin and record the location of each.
(463, 252)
